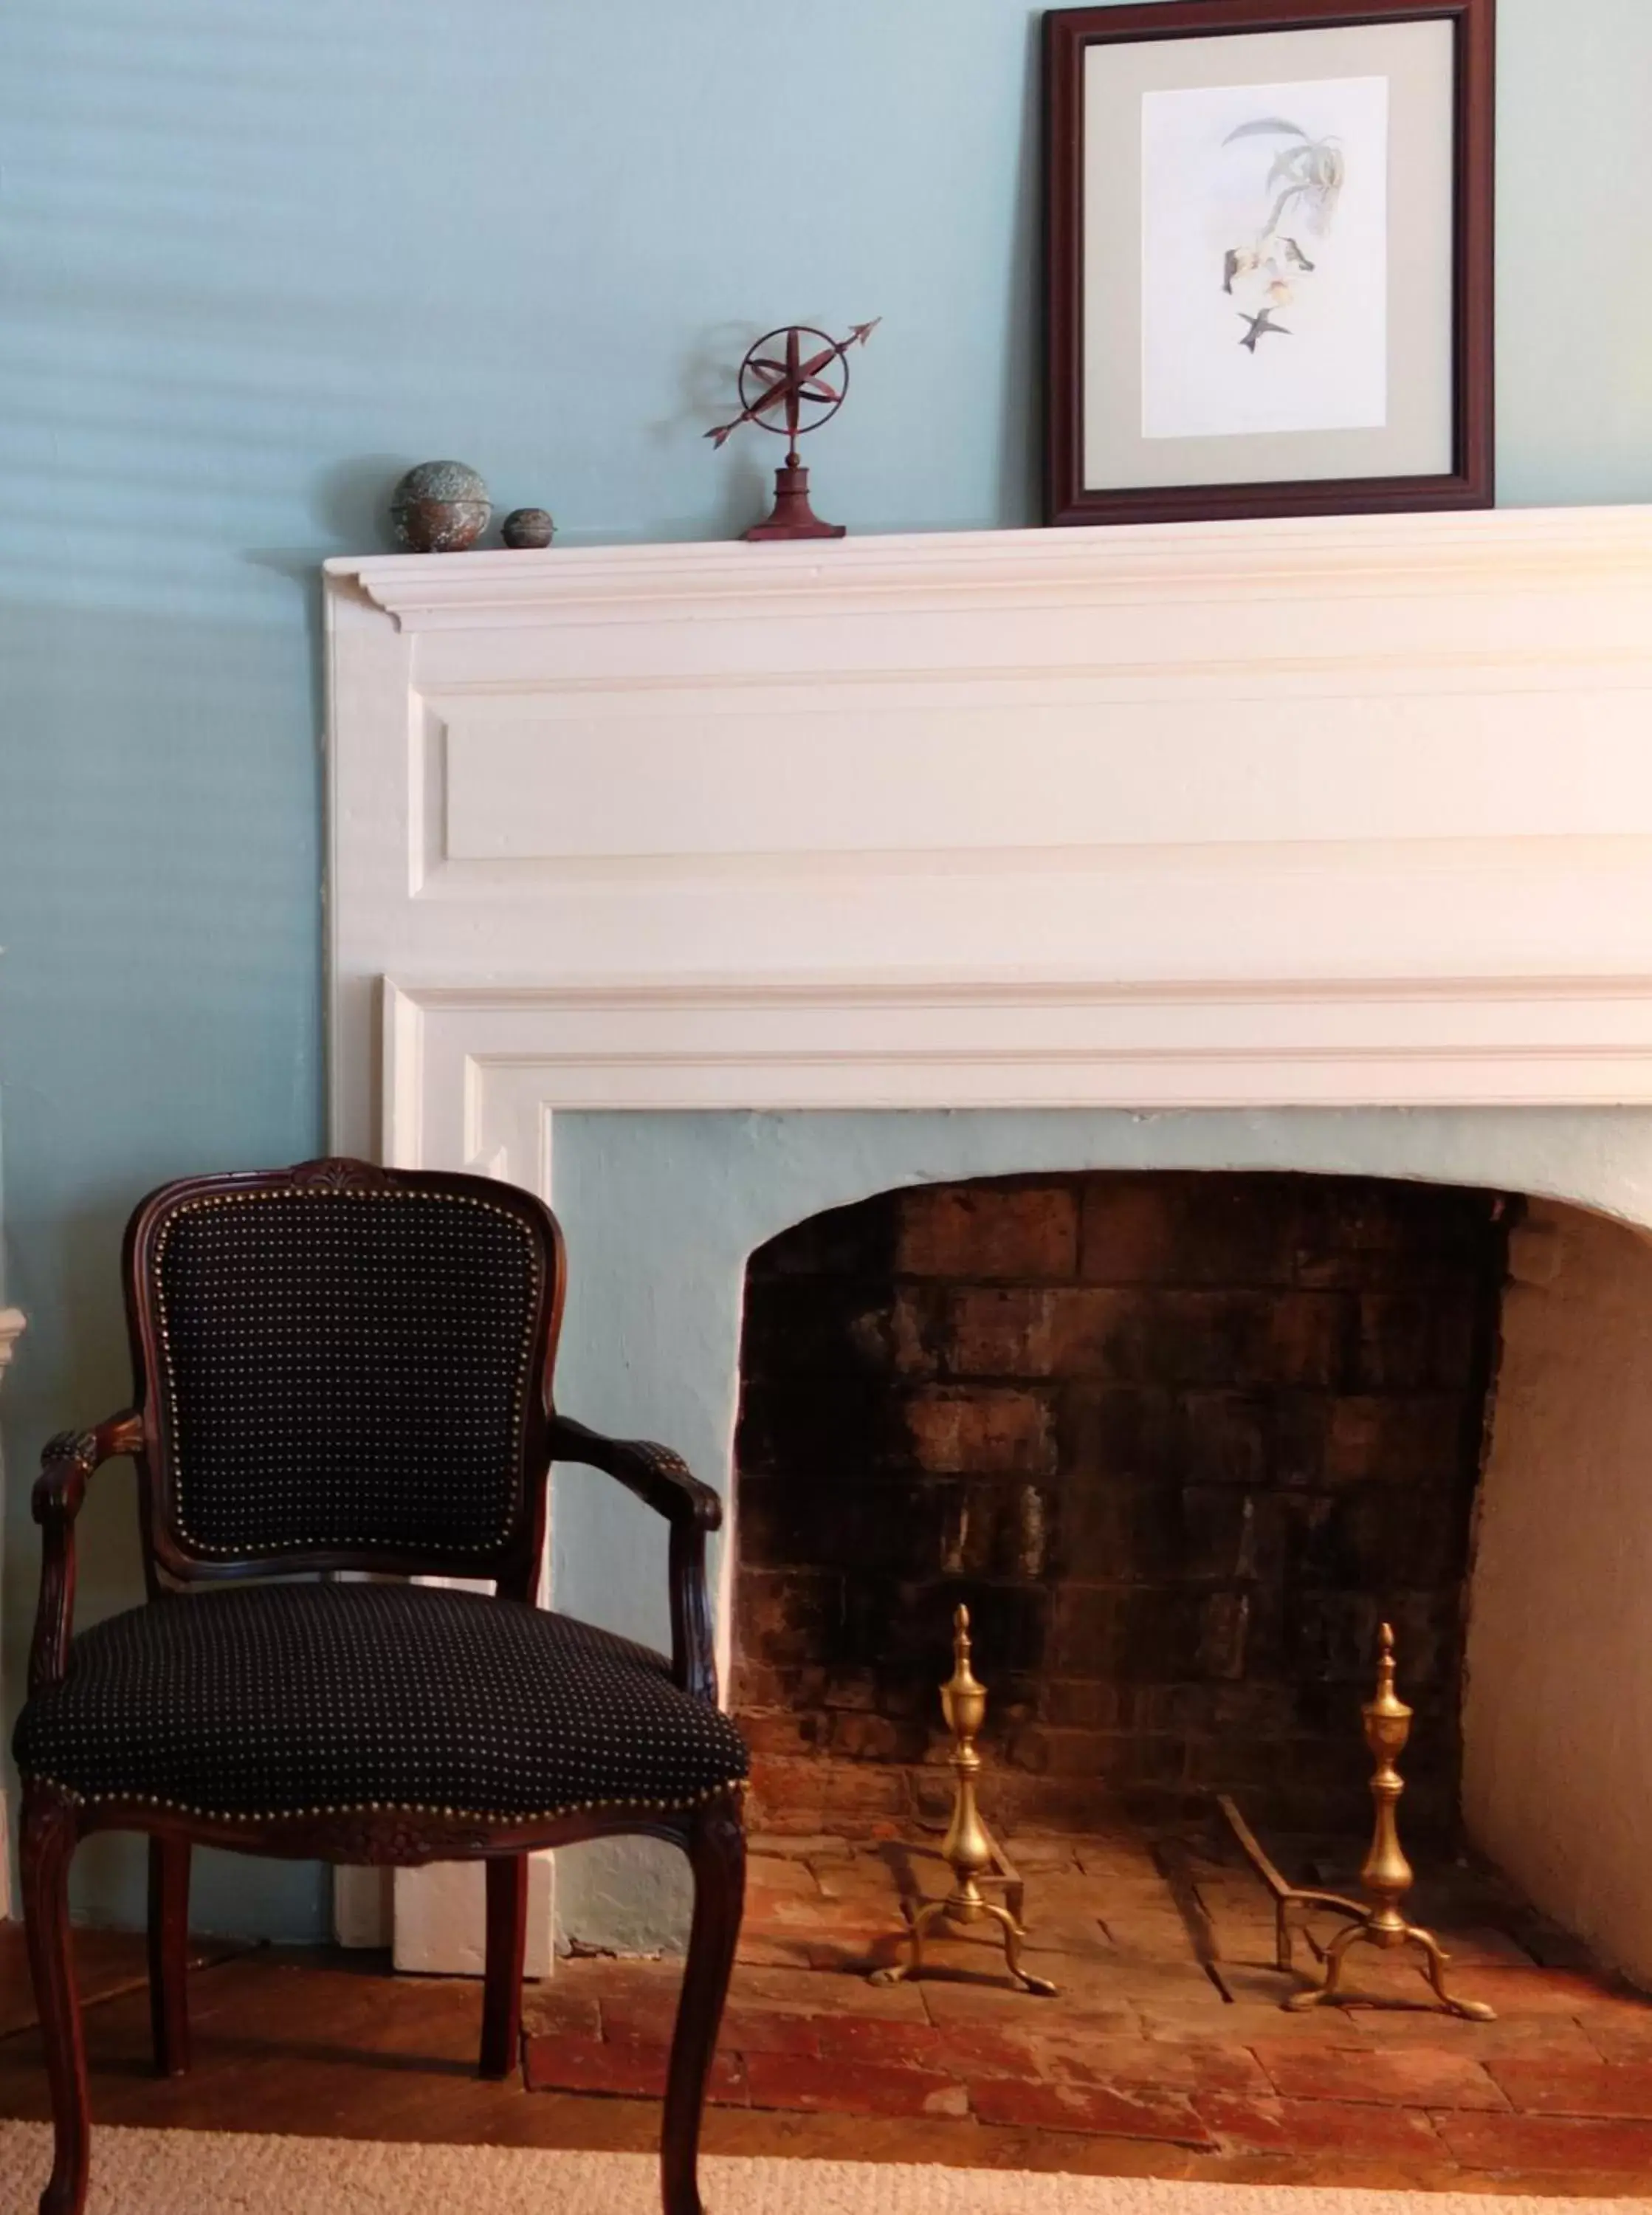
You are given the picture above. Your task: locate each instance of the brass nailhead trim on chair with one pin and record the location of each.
(735, 1789)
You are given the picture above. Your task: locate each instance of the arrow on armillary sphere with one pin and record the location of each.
(787, 387)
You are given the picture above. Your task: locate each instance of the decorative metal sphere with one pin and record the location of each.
(769, 376)
(440, 507)
(528, 526)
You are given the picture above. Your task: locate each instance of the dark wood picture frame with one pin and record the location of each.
(1068, 34)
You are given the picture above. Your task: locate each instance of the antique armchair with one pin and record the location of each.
(340, 1367)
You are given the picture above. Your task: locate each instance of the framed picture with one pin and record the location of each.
(1269, 239)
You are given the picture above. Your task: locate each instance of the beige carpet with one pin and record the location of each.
(221, 2173)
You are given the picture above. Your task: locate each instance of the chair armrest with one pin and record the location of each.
(66, 1469)
(654, 1473)
(664, 1482)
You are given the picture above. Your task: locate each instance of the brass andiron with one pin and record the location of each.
(974, 1854)
(1386, 1875)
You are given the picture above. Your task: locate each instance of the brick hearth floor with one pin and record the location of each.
(1167, 2052)
(1141, 2067)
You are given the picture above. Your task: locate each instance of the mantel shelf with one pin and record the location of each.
(1354, 555)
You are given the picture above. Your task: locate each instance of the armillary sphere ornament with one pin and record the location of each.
(788, 384)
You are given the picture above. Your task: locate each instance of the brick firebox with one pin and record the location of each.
(1179, 1441)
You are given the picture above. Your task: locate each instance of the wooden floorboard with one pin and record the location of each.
(108, 1962)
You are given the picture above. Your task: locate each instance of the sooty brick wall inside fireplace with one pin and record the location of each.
(1179, 1440)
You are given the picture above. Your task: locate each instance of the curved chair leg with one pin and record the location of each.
(49, 1831)
(168, 1934)
(716, 1845)
(507, 1945)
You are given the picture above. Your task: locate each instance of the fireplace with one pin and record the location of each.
(1179, 1441)
(709, 890)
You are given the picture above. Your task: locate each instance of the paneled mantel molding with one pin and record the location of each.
(12, 1325)
(1354, 811)
(473, 1074)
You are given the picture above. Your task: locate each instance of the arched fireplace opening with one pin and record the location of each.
(1180, 1441)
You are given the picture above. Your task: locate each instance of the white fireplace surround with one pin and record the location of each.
(1263, 818)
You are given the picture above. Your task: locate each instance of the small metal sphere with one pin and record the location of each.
(440, 507)
(528, 526)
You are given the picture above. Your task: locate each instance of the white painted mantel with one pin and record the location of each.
(1343, 815)
(1356, 810)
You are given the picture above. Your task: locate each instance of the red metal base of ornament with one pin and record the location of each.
(791, 517)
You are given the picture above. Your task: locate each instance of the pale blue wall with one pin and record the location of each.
(255, 257)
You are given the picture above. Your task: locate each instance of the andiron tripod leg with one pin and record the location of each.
(1330, 1985)
(1472, 2010)
(932, 1913)
(1012, 1935)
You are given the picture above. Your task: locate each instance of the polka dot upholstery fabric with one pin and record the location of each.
(297, 1698)
(344, 1368)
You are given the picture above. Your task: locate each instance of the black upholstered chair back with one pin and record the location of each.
(344, 1366)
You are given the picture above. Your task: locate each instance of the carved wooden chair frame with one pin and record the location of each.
(54, 1820)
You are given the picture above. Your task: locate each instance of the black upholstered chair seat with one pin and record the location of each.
(291, 1698)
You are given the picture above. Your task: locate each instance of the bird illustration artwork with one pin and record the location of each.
(1260, 326)
(1303, 183)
